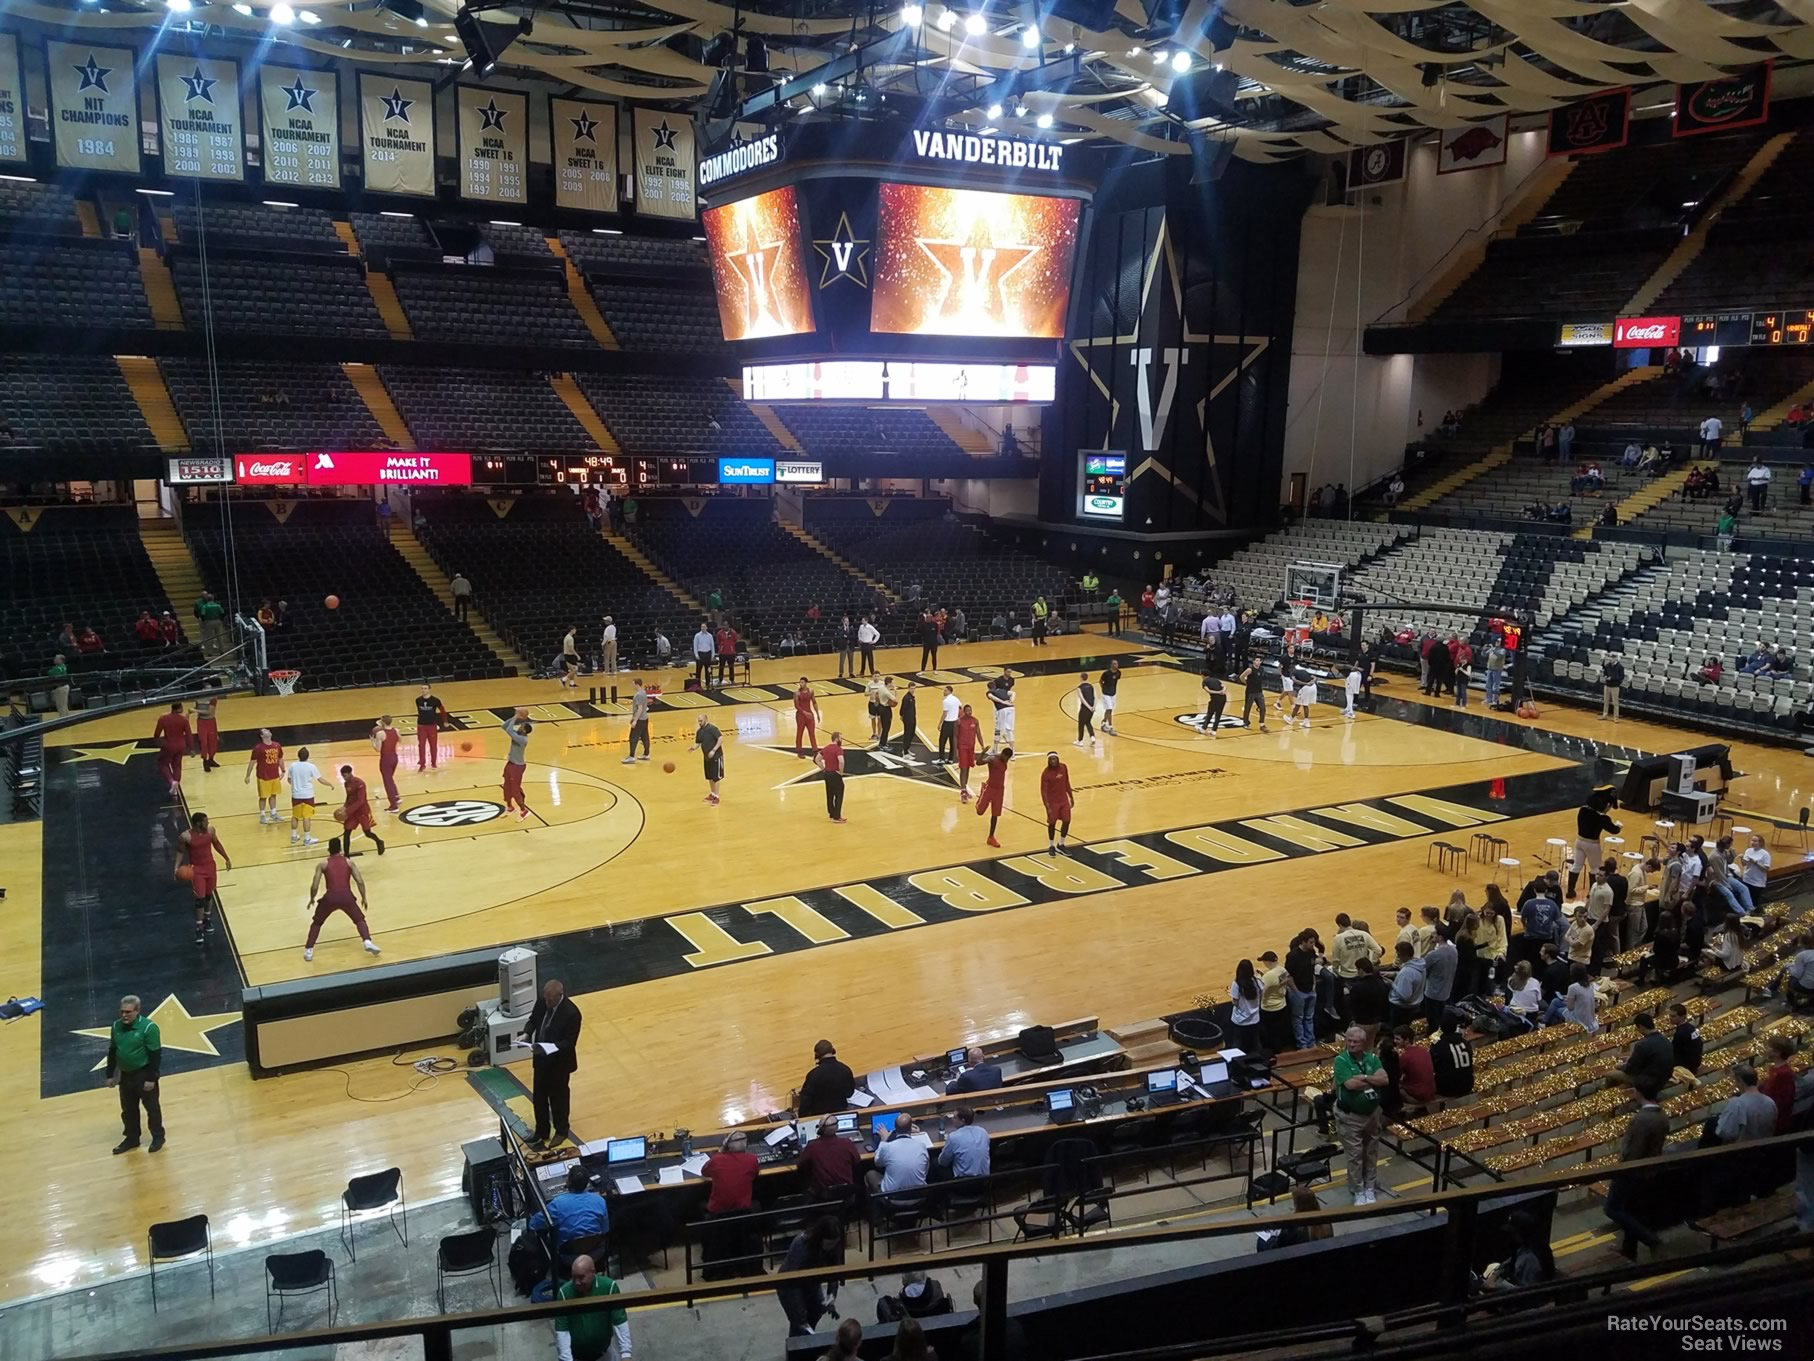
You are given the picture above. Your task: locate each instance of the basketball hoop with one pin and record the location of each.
(1297, 617)
(285, 681)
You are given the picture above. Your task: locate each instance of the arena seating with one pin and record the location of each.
(1256, 573)
(394, 235)
(512, 238)
(1510, 491)
(76, 281)
(1520, 400)
(768, 577)
(838, 429)
(652, 318)
(291, 294)
(68, 404)
(543, 569)
(390, 627)
(1783, 516)
(77, 565)
(633, 255)
(257, 226)
(1669, 404)
(653, 415)
(483, 409)
(31, 207)
(1440, 564)
(270, 405)
(1757, 254)
(482, 305)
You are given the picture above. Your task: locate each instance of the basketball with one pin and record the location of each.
(667, 767)
(186, 873)
(465, 746)
(340, 815)
(332, 602)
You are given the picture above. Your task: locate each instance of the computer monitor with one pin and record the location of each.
(847, 1124)
(1166, 1081)
(626, 1150)
(883, 1125)
(956, 1057)
(1058, 1101)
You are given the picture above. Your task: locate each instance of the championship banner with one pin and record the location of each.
(300, 121)
(397, 135)
(1382, 163)
(12, 101)
(1473, 146)
(585, 155)
(493, 128)
(94, 106)
(664, 164)
(1598, 123)
(1740, 101)
(198, 115)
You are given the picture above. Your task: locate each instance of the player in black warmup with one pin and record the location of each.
(1086, 708)
(1215, 700)
(1254, 679)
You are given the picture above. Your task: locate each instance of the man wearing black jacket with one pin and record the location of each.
(1651, 1061)
(829, 1085)
(552, 1033)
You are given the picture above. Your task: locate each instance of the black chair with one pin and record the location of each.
(967, 1200)
(464, 1254)
(298, 1273)
(1041, 1218)
(792, 1214)
(178, 1238)
(899, 1212)
(1077, 1183)
(378, 1191)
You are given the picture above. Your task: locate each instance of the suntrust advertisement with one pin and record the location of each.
(339, 468)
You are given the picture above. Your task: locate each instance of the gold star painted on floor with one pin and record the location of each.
(177, 1029)
(119, 755)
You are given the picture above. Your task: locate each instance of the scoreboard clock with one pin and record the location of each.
(1782, 327)
(1717, 328)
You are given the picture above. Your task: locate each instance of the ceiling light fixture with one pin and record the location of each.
(819, 90)
(243, 8)
(946, 19)
(179, 6)
(278, 203)
(1132, 52)
(1180, 62)
(912, 15)
(1030, 37)
(1044, 120)
(1020, 110)
(1159, 56)
(282, 13)
(308, 16)
(974, 24)
(159, 193)
(994, 112)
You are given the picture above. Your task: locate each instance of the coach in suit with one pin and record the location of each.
(552, 1021)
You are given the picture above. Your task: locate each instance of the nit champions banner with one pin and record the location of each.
(199, 120)
(94, 106)
(665, 164)
(397, 135)
(1739, 101)
(300, 110)
(1598, 123)
(585, 154)
(493, 128)
(12, 101)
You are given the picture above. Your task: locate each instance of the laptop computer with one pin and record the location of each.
(1061, 1107)
(847, 1125)
(1162, 1088)
(881, 1127)
(619, 1151)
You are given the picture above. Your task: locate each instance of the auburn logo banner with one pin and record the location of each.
(1599, 123)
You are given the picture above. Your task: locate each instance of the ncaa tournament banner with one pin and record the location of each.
(199, 120)
(1598, 123)
(1473, 146)
(585, 154)
(397, 135)
(493, 127)
(1740, 101)
(94, 106)
(664, 164)
(300, 112)
(12, 101)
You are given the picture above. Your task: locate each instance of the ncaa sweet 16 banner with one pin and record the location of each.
(199, 117)
(12, 101)
(397, 135)
(585, 154)
(94, 106)
(665, 164)
(494, 144)
(301, 128)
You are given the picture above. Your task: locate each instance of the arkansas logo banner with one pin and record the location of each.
(1473, 146)
(1599, 123)
(1739, 101)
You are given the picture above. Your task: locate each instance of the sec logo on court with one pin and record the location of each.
(457, 813)
(1195, 720)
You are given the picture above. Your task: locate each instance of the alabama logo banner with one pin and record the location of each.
(1473, 146)
(1739, 101)
(1382, 163)
(1599, 123)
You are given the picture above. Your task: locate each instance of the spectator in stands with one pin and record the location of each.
(283, 615)
(1407, 985)
(1805, 480)
(88, 642)
(1757, 663)
(145, 629)
(1565, 442)
(664, 648)
(1368, 1000)
(704, 649)
(820, 1245)
(1798, 977)
(588, 1336)
(1629, 459)
(1524, 994)
(715, 603)
(1244, 1009)
(1493, 663)
(1546, 442)
(1685, 1042)
(1452, 1057)
(1416, 1071)
(1351, 943)
(1727, 524)
(462, 598)
(1650, 460)
(1727, 948)
(1710, 437)
(1645, 1137)
(1395, 489)
(1779, 1082)
(1609, 514)
(901, 1162)
(1711, 670)
(1490, 943)
(1542, 918)
(1552, 973)
(1651, 1061)
(1757, 483)
(966, 1150)
(848, 1343)
(168, 631)
(1747, 1116)
(1665, 957)
(1359, 1078)
(1300, 989)
(1578, 940)
(1441, 965)
(578, 1212)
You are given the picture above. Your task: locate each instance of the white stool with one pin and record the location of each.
(1558, 853)
(1509, 866)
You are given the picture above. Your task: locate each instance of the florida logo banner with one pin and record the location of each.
(1739, 101)
(1599, 123)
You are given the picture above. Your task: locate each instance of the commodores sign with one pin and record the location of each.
(739, 158)
(1634, 333)
(973, 150)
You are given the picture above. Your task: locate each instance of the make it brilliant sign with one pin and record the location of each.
(970, 149)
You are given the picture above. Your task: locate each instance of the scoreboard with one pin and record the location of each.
(1717, 328)
(1782, 327)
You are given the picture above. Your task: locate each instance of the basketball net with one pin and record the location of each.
(285, 681)
(1297, 621)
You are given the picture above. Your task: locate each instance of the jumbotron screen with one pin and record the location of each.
(757, 266)
(966, 262)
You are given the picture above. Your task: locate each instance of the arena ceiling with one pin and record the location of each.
(1309, 75)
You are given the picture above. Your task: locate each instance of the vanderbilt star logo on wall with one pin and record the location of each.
(198, 86)
(94, 76)
(1162, 349)
(976, 273)
(395, 105)
(918, 766)
(491, 115)
(300, 96)
(664, 136)
(845, 254)
(585, 128)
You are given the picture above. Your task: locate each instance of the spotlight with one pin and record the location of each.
(179, 6)
(994, 112)
(1158, 55)
(947, 17)
(1030, 37)
(1180, 62)
(1044, 120)
(308, 16)
(282, 13)
(421, 21)
(911, 15)
(481, 42)
(1069, 48)
(1132, 52)
(1020, 110)
(974, 24)
(244, 9)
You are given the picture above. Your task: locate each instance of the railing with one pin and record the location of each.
(1450, 1279)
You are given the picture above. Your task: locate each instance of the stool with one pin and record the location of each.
(1713, 824)
(1613, 841)
(1486, 848)
(1651, 839)
(1509, 867)
(1741, 831)
(1558, 853)
(1448, 857)
(1633, 855)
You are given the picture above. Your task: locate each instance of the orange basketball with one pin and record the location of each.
(465, 746)
(340, 815)
(667, 767)
(186, 873)
(332, 602)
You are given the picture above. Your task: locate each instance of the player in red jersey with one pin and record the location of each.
(1055, 793)
(197, 847)
(969, 732)
(356, 812)
(339, 875)
(266, 761)
(172, 734)
(384, 742)
(806, 719)
(995, 773)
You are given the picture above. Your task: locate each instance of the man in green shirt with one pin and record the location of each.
(59, 685)
(134, 1053)
(1114, 606)
(1358, 1079)
(587, 1334)
(213, 621)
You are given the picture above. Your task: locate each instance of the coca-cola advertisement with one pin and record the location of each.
(1640, 333)
(270, 470)
(1740, 101)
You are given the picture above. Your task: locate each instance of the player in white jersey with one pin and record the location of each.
(303, 775)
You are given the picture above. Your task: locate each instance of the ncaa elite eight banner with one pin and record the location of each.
(494, 144)
(397, 135)
(12, 101)
(301, 123)
(585, 154)
(94, 106)
(664, 164)
(199, 117)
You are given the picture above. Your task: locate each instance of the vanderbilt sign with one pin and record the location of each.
(972, 150)
(739, 158)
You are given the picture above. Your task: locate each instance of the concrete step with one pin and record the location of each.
(824, 550)
(146, 382)
(160, 291)
(410, 549)
(377, 399)
(583, 411)
(650, 570)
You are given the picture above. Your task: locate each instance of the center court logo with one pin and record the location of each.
(457, 813)
(1195, 721)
